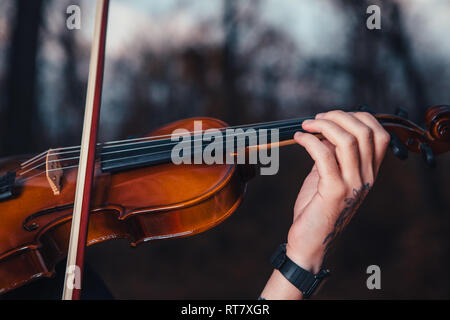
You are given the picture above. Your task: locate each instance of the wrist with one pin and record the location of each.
(310, 261)
(287, 281)
(279, 288)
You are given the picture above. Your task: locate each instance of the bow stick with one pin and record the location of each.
(80, 217)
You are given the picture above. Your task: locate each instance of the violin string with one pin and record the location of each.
(51, 161)
(128, 157)
(135, 149)
(139, 140)
(176, 142)
(42, 172)
(148, 139)
(44, 154)
(76, 166)
(25, 167)
(33, 159)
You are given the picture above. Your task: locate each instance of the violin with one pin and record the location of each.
(140, 195)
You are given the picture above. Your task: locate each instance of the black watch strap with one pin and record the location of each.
(302, 279)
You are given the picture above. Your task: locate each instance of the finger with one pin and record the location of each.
(364, 136)
(325, 161)
(381, 137)
(329, 145)
(347, 152)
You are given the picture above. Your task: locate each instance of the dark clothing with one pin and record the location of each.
(93, 287)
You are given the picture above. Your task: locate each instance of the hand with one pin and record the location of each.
(346, 165)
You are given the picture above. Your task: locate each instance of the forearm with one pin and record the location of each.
(278, 288)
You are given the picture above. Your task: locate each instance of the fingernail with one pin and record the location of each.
(297, 134)
(319, 115)
(306, 122)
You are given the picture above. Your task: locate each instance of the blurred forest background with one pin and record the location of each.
(243, 62)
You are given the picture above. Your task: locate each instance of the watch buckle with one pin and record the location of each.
(323, 273)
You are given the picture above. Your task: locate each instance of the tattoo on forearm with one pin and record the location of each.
(347, 213)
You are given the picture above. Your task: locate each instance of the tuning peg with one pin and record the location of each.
(364, 108)
(398, 149)
(428, 154)
(401, 113)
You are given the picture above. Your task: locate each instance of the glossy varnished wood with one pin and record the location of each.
(163, 201)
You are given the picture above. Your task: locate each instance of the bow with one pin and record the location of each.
(80, 218)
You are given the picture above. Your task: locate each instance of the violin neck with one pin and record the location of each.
(233, 140)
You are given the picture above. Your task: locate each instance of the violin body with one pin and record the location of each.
(151, 203)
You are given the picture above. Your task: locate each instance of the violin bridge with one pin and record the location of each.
(54, 171)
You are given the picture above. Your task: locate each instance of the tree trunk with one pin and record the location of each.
(20, 114)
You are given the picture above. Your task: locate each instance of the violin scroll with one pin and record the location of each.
(437, 119)
(408, 136)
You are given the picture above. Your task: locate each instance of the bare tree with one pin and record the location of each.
(21, 114)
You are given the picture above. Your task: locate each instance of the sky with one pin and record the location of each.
(317, 27)
(157, 21)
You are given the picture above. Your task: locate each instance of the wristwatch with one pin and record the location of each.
(302, 279)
